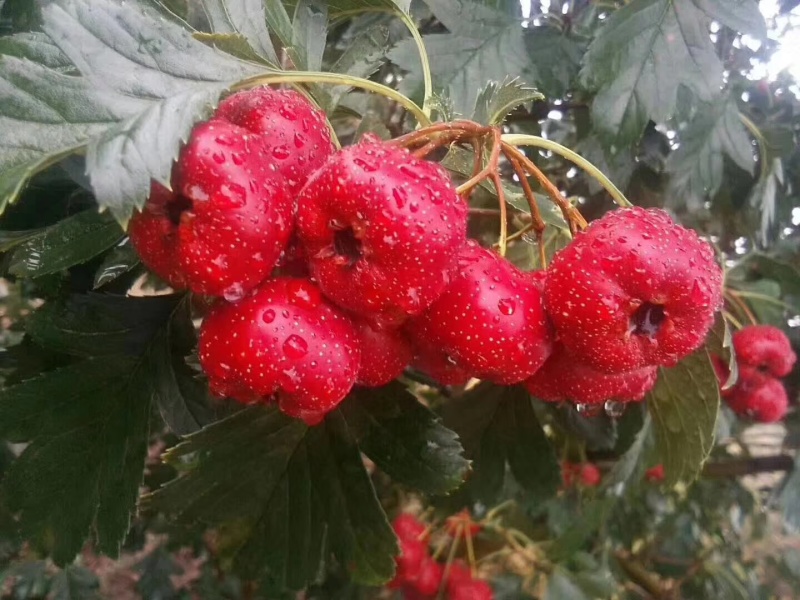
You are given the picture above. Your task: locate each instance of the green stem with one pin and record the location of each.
(518, 139)
(335, 79)
(427, 79)
(764, 298)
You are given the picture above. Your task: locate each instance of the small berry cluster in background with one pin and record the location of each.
(420, 576)
(580, 474)
(342, 268)
(763, 355)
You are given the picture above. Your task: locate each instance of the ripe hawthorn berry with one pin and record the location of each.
(655, 474)
(634, 290)
(285, 340)
(385, 353)
(474, 589)
(437, 364)
(583, 474)
(565, 377)
(223, 227)
(490, 320)
(766, 348)
(382, 230)
(295, 133)
(758, 396)
(428, 579)
(462, 524)
(408, 527)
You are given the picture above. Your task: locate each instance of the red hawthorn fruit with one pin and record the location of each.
(295, 132)
(475, 589)
(429, 578)
(410, 562)
(462, 520)
(758, 396)
(285, 340)
(584, 474)
(489, 320)
(408, 527)
(458, 573)
(438, 365)
(565, 377)
(655, 474)
(223, 228)
(384, 354)
(766, 348)
(634, 290)
(382, 230)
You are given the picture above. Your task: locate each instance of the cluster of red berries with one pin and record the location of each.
(339, 268)
(655, 474)
(763, 355)
(580, 474)
(420, 576)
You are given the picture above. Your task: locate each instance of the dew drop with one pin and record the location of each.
(268, 316)
(614, 409)
(364, 164)
(507, 306)
(336, 224)
(299, 140)
(400, 196)
(288, 113)
(295, 347)
(237, 159)
(413, 207)
(218, 157)
(234, 193)
(233, 293)
(589, 410)
(281, 152)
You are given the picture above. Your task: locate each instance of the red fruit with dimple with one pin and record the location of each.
(222, 229)
(565, 377)
(408, 527)
(410, 561)
(285, 340)
(655, 474)
(438, 365)
(765, 347)
(429, 578)
(634, 290)
(758, 396)
(295, 133)
(382, 230)
(490, 319)
(385, 353)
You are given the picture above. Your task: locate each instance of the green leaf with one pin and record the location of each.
(365, 54)
(788, 499)
(234, 44)
(599, 432)
(631, 464)
(561, 585)
(497, 425)
(464, 60)
(145, 82)
(742, 16)
(617, 163)
(244, 17)
(405, 439)
(119, 261)
(764, 193)
(555, 60)
(644, 52)
(70, 242)
(496, 100)
(697, 166)
(684, 406)
(100, 325)
(594, 515)
(87, 427)
(37, 47)
(309, 34)
(284, 485)
(74, 583)
(764, 266)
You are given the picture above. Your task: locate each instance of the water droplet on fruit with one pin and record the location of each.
(268, 316)
(589, 410)
(364, 164)
(336, 224)
(233, 293)
(234, 193)
(507, 306)
(295, 347)
(614, 409)
(223, 140)
(281, 152)
(218, 157)
(400, 196)
(237, 159)
(287, 112)
(698, 295)
(413, 207)
(299, 140)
